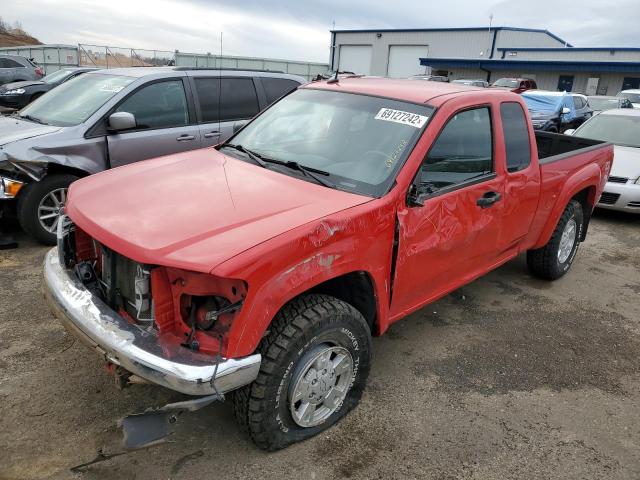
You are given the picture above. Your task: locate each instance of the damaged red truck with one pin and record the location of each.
(263, 266)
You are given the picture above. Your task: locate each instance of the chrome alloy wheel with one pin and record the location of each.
(567, 241)
(320, 384)
(50, 208)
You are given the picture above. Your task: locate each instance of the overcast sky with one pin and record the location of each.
(299, 29)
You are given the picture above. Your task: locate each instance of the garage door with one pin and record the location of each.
(404, 60)
(355, 58)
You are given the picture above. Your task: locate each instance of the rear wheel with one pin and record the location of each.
(554, 259)
(315, 363)
(40, 204)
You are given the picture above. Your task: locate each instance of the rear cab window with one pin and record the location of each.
(516, 136)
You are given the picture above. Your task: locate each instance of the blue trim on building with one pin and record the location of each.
(455, 29)
(568, 66)
(573, 49)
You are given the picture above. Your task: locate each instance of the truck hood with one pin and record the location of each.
(13, 129)
(196, 210)
(626, 162)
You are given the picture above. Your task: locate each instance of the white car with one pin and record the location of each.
(632, 95)
(621, 127)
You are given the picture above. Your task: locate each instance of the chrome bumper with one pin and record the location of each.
(140, 352)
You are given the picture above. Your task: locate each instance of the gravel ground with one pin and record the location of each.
(508, 378)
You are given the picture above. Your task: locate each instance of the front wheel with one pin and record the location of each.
(315, 363)
(40, 205)
(554, 259)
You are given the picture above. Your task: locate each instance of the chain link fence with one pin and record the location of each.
(55, 57)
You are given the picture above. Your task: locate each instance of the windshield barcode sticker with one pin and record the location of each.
(398, 116)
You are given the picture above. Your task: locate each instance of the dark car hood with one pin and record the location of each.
(197, 209)
(13, 129)
(24, 84)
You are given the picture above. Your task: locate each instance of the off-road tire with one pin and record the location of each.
(262, 408)
(28, 200)
(543, 262)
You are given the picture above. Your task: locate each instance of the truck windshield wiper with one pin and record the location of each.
(33, 119)
(249, 153)
(262, 161)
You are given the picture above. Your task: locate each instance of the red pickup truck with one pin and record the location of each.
(264, 265)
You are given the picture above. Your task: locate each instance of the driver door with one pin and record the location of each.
(163, 123)
(453, 236)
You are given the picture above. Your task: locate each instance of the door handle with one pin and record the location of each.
(488, 199)
(183, 138)
(211, 134)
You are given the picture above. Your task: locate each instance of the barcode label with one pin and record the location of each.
(398, 116)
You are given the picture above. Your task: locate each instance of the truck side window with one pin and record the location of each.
(462, 151)
(516, 136)
(159, 105)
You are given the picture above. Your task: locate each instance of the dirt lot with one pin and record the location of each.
(508, 378)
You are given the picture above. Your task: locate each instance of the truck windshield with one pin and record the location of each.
(75, 101)
(617, 129)
(359, 142)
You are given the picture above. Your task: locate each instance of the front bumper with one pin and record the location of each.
(624, 197)
(13, 101)
(136, 350)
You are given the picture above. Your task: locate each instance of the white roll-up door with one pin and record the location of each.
(355, 58)
(404, 60)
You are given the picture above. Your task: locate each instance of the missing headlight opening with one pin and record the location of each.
(192, 309)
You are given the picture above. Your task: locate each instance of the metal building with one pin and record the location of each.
(487, 54)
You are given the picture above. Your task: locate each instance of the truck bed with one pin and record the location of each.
(563, 159)
(555, 146)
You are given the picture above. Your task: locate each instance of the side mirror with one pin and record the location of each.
(565, 110)
(418, 193)
(569, 131)
(122, 121)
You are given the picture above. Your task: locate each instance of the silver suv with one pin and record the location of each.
(14, 68)
(108, 118)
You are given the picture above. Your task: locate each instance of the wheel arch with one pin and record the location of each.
(580, 187)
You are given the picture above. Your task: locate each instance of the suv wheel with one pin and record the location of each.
(315, 363)
(40, 204)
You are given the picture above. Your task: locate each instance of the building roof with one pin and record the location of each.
(414, 91)
(456, 29)
(550, 65)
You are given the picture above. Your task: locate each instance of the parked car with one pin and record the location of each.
(107, 118)
(20, 94)
(516, 85)
(264, 266)
(622, 128)
(582, 109)
(431, 78)
(600, 103)
(472, 83)
(549, 111)
(14, 68)
(632, 95)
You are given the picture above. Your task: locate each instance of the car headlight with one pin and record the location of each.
(9, 188)
(15, 91)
